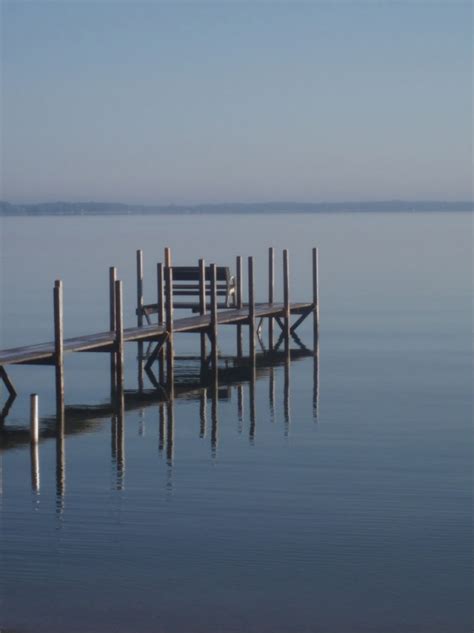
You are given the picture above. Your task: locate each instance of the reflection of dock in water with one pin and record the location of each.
(194, 381)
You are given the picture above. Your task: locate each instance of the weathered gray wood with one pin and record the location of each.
(202, 302)
(139, 287)
(59, 347)
(286, 299)
(119, 338)
(315, 297)
(34, 418)
(239, 302)
(169, 319)
(214, 348)
(113, 358)
(251, 312)
(160, 289)
(271, 286)
(7, 382)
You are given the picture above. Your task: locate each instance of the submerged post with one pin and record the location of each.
(169, 317)
(202, 302)
(113, 363)
(34, 418)
(251, 308)
(238, 302)
(271, 285)
(59, 347)
(139, 288)
(214, 349)
(286, 299)
(315, 297)
(119, 342)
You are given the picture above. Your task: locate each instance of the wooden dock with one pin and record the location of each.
(206, 323)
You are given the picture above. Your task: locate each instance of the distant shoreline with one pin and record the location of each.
(109, 208)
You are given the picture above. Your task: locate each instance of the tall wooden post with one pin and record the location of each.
(169, 320)
(160, 291)
(113, 359)
(238, 302)
(59, 348)
(252, 346)
(315, 298)
(271, 286)
(214, 348)
(139, 288)
(202, 303)
(119, 341)
(286, 300)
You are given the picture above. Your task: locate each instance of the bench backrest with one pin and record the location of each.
(186, 281)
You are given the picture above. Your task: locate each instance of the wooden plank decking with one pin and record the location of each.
(44, 353)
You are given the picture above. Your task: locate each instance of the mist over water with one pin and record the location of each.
(326, 497)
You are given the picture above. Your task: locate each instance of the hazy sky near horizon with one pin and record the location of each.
(157, 102)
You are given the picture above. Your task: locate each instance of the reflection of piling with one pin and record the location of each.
(286, 396)
(316, 383)
(214, 413)
(60, 464)
(120, 441)
(170, 431)
(34, 418)
(202, 412)
(240, 406)
(253, 411)
(161, 427)
(271, 394)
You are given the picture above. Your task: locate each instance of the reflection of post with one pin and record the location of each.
(161, 427)
(239, 303)
(214, 414)
(112, 280)
(271, 285)
(140, 366)
(202, 412)
(271, 394)
(240, 405)
(316, 383)
(35, 468)
(113, 439)
(253, 379)
(170, 431)
(60, 464)
(120, 440)
(286, 395)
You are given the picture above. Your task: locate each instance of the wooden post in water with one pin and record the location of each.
(238, 301)
(113, 362)
(34, 419)
(59, 347)
(160, 290)
(169, 319)
(202, 303)
(214, 348)
(251, 309)
(271, 286)
(119, 343)
(139, 288)
(286, 300)
(315, 298)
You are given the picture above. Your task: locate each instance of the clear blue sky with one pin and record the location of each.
(161, 102)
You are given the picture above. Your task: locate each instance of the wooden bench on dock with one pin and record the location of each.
(194, 283)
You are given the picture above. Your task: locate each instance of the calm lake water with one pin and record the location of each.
(328, 497)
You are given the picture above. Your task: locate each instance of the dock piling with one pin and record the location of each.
(252, 347)
(271, 286)
(315, 297)
(169, 318)
(202, 303)
(286, 299)
(119, 342)
(59, 347)
(238, 301)
(214, 348)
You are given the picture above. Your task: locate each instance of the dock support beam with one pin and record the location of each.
(214, 350)
(119, 339)
(286, 300)
(113, 355)
(169, 319)
(238, 302)
(202, 304)
(251, 309)
(315, 298)
(59, 347)
(271, 286)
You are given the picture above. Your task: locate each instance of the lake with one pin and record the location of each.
(327, 495)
